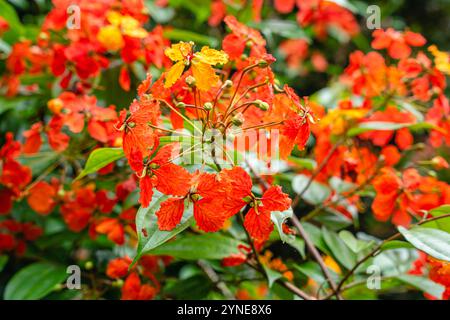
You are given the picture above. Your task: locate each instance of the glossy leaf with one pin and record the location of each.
(34, 281)
(205, 246)
(100, 158)
(434, 242)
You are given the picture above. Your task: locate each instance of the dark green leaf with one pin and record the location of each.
(205, 246)
(34, 281)
(339, 249)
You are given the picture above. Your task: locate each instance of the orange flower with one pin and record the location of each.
(42, 197)
(394, 195)
(133, 289)
(112, 228)
(118, 268)
(161, 173)
(137, 134)
(397, 43)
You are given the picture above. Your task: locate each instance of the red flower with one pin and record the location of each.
(397, 43)
(113, 228)
(234, 44)
(394, 195)
(41, 197)
(239, 193)
(167, 177)
(118, 268)
(137, 134)
(33, 140)
(133, 289)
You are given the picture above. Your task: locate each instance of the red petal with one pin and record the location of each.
(146, 185)
(173, 179)
(170, 213)
(275, 200)
(124, 78)
(209, 215)
(259, 226)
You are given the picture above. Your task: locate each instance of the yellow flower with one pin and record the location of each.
(441, 59)
(200, 62)
(111, 38)
(341, 120)
(130, 27)
(330, 263)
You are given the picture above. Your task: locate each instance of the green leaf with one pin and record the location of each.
(441, 224)
(147, 220)
(278, 218)
(34, 281)
(424, 284)
(315, 194)
(333, 219)
(432, 241)
(272, 275)
(306, 163)
(3, 261)
(340, 186)
(99, 158)
(205, 246)
(315, 234)
(396, 244)
(180, 35)
(299, 245)
(195, 287)
(159, 14)
(339, 249)
(386, 126)
(354, 244)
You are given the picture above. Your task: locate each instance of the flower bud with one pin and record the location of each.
(190, 81)
(263, 64)
(228, 84)
(89, 265)
(208, 106)
(264, 106)
(238, 120)
(181, 104)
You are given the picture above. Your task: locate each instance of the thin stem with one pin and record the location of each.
(181, 115)
(246, 69)
(378, 247)
(316, 255)
(214, 277)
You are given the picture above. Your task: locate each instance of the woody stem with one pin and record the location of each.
(312, 249)
(378, 247)
(309, 245)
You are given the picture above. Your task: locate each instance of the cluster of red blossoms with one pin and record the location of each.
(102, 32)
(361, 139)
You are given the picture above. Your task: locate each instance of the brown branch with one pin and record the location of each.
(316, 255)
(378, 247)
(214, 277)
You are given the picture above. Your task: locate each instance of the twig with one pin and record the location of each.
(377, 248)
(214, 277)
(316, 255)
